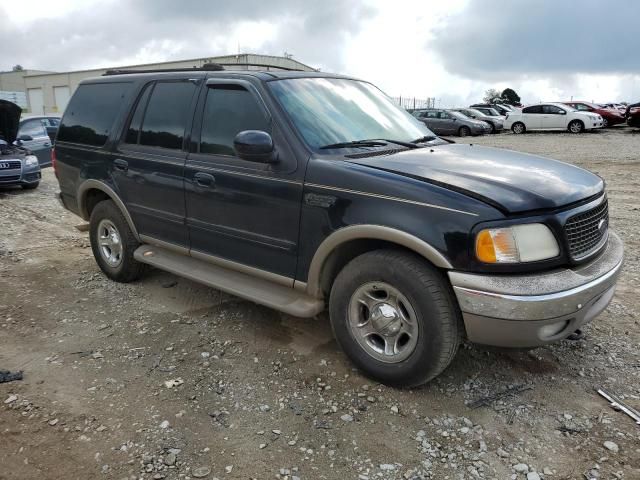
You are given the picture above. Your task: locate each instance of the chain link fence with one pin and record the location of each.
(411, 103)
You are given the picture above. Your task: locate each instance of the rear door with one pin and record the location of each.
(531, 117)
(237, 210)
(39, 143)
(148, 164)
(431, 118)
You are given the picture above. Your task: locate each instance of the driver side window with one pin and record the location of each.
(229, 109)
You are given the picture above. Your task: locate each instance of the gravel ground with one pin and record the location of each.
(165, 378)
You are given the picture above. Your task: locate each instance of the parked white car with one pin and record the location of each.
(552, 116)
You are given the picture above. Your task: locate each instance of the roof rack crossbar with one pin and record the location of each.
(210, 67)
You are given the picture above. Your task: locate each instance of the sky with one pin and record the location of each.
(452, 50)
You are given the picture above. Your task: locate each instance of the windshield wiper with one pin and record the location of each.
(355, 143)
(371, 142)
(428, 138)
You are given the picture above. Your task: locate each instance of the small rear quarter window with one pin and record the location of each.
(91, 113)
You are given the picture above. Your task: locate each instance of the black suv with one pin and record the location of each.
(305, 191)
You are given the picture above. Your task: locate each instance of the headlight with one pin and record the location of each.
(30, 160)
(520, 243)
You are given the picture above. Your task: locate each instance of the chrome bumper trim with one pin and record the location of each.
(530, 310)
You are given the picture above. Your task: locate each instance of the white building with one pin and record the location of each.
(49, 92)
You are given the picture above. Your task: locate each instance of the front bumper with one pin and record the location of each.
(17, 177)
(537, 309)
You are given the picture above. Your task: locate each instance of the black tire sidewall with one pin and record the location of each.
(466, 130)
(425, 362)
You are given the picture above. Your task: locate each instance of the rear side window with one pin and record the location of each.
(166, 115)
(133, 132)
(91, 113)
(533, 109)
(229, 110)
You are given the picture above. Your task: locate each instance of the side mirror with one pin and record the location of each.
(255, 146)
(25, 138)
(562, 112)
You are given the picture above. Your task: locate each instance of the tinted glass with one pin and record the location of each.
(229, 110)
(133, 131)
(91, 112)
(533, 109)
(552, 109)
(54, 122)
(334, 110)
(33, 128)
(167, 113)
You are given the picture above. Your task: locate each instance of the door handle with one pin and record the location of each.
(120, 164)
(47, 144)
(204, 179)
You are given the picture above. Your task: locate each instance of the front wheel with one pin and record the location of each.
(605, 123)
(464, 132)
(576, 126)
(30, 186)
(395, 317)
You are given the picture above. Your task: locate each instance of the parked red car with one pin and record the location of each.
(633, 115)
(610, 116)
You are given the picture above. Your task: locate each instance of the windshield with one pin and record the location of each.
(329, 111)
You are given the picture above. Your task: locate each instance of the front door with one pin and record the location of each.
(237, 210)
(553, 117)
(148, 164)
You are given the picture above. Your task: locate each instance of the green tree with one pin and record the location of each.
(510, 97)
(18, 68)
(492, 96)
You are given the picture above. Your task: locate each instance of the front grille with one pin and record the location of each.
(9, 178)
(9, 165)
(587, 232)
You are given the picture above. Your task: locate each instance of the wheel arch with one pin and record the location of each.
(91, 192)
(347, 243)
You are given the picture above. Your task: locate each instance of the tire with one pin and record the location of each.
(575, 126)
(464, 131)
(113, 243)
(426, 330)
(30, 186)
(605, 123)
(493, 128)
(518, 128)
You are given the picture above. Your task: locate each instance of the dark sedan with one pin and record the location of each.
(444, 122)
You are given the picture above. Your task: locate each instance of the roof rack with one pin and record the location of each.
(207, 67)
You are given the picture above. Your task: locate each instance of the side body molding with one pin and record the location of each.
(372, 232)
(98, 185)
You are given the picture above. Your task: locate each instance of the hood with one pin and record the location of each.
(9, 121)
(511, 181)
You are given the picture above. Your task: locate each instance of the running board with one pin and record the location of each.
(263, 292)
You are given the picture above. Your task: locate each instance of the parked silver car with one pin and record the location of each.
(35, 134)
(496, 121)
(444, 122)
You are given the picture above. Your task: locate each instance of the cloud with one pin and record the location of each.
(119, 32)
(491, 40)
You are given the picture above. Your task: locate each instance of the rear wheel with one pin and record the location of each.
(395, 317)
(464, 131)
(518, 128)
(576, 126)
(113, 243)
